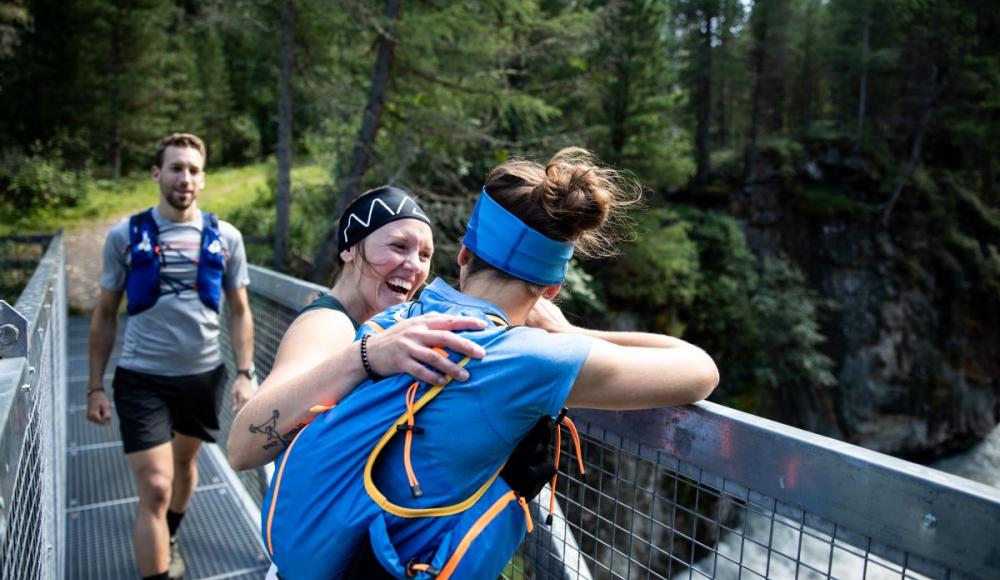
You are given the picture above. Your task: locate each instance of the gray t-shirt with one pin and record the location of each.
(178, 335)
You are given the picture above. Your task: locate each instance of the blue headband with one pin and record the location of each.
(505, 242)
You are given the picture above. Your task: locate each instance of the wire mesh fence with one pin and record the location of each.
(273, 312)
(708, 492)
(32, 436)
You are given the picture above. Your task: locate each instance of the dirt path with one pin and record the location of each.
(84, 248)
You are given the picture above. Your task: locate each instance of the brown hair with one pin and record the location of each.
(178, 140)
(570, 198)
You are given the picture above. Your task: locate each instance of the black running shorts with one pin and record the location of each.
(152, 407)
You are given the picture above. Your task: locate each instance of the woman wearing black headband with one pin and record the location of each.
(385, 245)
(410, 478)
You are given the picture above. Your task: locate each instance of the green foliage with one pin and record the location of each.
(758, 319)
(659, 273)
(785, 316)
(581, 293)
(476, 83)
(783, 154)
(255, 216)
(37, 181)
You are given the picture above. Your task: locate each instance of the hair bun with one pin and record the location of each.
(574, 193)
(571, 198)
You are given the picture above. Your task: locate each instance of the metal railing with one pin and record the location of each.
(32, 426)
(708, 492)
(699, 491)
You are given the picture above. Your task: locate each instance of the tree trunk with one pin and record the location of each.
(284, 194)
(704, 99)
(618, 114)
(863, 90)
(350, 186)
(935, 93)
(116, 97)
(808, 88)
(750, 158)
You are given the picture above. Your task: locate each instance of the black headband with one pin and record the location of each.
(373, 210)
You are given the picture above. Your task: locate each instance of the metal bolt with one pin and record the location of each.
(26, 387)
(929, 521)
(8, 334)
(31, 371)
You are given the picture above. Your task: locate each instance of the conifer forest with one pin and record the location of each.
(822, 200)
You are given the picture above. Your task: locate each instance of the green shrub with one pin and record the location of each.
(659, 273)
(312, 203)
(37, 181)
(757, 318)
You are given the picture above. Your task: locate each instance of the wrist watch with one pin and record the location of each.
(250, 373)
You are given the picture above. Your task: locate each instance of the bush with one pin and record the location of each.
(41, 179)
(37, 181)
(658, 274)
(241, 140)
(311, 205)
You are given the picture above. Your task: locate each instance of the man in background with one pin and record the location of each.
(175, 264)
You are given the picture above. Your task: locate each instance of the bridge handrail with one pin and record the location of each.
(32, 429)
(898, 504)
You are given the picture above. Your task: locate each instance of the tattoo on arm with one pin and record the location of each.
(269, 429)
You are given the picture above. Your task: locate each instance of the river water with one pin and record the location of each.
(980, 463)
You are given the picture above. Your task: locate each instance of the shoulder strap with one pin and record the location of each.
(139, 220)
(209, 220)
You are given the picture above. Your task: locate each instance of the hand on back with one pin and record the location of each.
(408, 347)
(547, 316)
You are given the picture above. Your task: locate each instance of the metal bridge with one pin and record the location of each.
(695, 492)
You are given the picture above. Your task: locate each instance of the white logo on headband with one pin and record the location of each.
(415, 210)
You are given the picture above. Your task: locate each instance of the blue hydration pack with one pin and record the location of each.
(142, 284)
(347, 483)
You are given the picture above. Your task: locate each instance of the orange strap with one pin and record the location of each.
(477, 528)
(576, 443)
(579, 459)
(411, 396)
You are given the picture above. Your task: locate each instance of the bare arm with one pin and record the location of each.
(103, 329)
(318, 363)
(633, 370)
(631, 377)
(549, 317)
(241, 336)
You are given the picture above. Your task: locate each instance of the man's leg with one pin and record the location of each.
(154, 472)
(185, 471)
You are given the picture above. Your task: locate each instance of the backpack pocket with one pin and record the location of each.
(476, 543)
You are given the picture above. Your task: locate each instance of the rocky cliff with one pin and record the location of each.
(910, 308)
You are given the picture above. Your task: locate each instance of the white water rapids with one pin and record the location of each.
(980, 463)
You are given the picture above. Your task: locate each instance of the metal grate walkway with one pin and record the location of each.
(219, 535)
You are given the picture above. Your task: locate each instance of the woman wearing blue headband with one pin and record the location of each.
(385, 245)
(405, 478)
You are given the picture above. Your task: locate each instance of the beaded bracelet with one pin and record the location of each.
(364, 359)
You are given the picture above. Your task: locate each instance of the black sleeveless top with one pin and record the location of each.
(328, 301)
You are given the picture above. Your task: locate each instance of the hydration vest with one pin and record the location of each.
(142, 283)
(338, 490)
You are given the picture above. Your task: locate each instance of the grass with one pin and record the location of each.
(225, 190)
